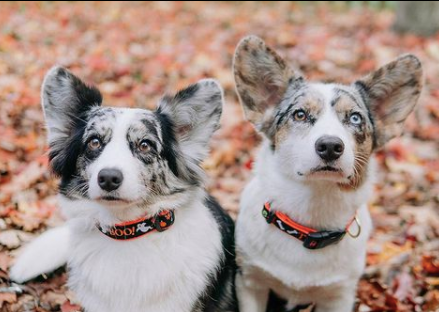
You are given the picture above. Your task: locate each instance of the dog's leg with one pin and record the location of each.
(43, 255)
(340, 299)
(341, 305)
(251, 298)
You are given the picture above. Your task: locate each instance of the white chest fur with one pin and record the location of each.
(284, 257)
(158, 272)
(265, 248)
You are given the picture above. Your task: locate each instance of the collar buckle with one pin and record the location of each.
(268, 213)
(163, 220)
(319, 240)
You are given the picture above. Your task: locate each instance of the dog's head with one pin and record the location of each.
(121, 156)
(324, 131)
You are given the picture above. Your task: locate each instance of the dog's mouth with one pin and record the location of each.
(324, 173)
(113, 200)
(327, 169)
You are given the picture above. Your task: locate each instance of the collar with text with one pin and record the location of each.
(140, 227)
(311, 238)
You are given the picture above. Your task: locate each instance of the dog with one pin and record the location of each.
(303, 224)
(142, 232)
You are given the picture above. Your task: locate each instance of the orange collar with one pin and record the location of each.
(139, 227)
(311, 238)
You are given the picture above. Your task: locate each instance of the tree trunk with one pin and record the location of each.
(418, 17)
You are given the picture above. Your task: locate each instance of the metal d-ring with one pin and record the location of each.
(357, 221)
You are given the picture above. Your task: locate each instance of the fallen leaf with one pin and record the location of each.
(7, 298)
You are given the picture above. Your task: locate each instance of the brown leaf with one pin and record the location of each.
(431, 301)
(7, 298)
(5, 260)
(68, 307)
(404, 288)
(430, 264)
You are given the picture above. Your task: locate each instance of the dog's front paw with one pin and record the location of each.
(43, 255)
(24, 269)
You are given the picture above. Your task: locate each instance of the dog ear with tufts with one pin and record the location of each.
(391, 93)
(195, 113)
(66, 101)
(262, 78)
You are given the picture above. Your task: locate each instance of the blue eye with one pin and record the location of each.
(356, 119)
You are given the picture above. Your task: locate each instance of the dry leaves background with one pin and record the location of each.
(134, 52)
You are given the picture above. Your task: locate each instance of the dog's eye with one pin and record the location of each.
(299, 115)
(94, 144)
(144, 146)
(356, 119)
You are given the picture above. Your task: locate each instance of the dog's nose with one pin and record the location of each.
(329, 148)
(110, 179)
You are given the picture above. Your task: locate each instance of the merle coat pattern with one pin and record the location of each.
(119, 164)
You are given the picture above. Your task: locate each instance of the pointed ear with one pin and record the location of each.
(392, 92)
(261, 76)
(65, 100)
(195, 113)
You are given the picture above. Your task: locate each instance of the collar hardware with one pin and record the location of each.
(311, 238)
(348, 230)
(319, 240)
(139, 227)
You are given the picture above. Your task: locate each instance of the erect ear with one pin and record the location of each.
(195, 113)
(392, 92)
(65, 100)
(261, 76)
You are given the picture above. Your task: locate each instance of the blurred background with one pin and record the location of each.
(134, 52)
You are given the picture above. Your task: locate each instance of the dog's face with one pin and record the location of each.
(324, 132)
(121, 156)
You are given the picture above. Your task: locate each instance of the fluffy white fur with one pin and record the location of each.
(151, 274)
(46, 253)
(155, 275)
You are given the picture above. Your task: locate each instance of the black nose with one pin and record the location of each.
(329, 148)
(110, 179)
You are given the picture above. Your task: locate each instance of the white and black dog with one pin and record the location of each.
(142, 233)
(313, 176)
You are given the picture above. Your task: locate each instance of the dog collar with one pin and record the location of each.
(311, 238)
(140, 227)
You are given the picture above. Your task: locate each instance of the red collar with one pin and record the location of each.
(142, 226)
(311, 238)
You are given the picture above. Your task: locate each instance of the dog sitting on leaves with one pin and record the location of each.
(303, 223)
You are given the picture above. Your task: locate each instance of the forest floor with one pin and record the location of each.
(135, 52)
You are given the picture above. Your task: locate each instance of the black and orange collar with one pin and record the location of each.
(311, 238)
(142, 226)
